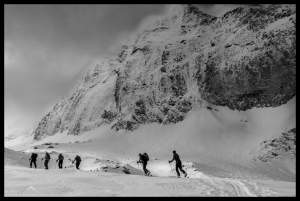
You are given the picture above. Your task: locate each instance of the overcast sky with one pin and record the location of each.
(49, 47)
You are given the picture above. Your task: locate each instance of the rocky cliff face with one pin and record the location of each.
(242, 60)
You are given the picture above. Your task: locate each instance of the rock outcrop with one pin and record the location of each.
(242, 60)
(278, 147)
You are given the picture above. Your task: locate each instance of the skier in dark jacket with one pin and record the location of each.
(78, 160)
(143, 160)
(33, 159)
(60, 160)
(47, 158)
(178, 164)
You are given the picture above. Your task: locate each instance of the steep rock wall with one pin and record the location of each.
(242, 60)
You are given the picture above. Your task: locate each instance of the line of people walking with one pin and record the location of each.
(47, 158)
(143, 159)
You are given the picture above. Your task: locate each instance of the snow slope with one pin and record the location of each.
(221, 138)
(109, 159)
(23, 181)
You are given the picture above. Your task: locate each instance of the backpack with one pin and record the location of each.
(61, 157)
(34, 156)
(146, 156)
(48, 156)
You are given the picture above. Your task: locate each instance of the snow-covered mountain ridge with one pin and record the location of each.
(186, 61)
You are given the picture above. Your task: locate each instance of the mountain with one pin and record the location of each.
(221, 90)
(218, 90)
(188, 60)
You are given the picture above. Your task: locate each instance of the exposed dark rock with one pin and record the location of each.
(108, 116)
(273, 148)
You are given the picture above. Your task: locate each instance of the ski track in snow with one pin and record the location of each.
(84, 183)
(112, 181)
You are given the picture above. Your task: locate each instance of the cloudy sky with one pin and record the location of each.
(49, 47)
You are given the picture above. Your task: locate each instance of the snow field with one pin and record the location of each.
(215, 147)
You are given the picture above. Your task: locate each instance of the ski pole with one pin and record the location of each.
(171, 168)
(41, 163)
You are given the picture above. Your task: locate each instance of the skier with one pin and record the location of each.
(47, 158)
(178, 164)
(33, 159)
(60, 160)
(144, 160)
(78, 160)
